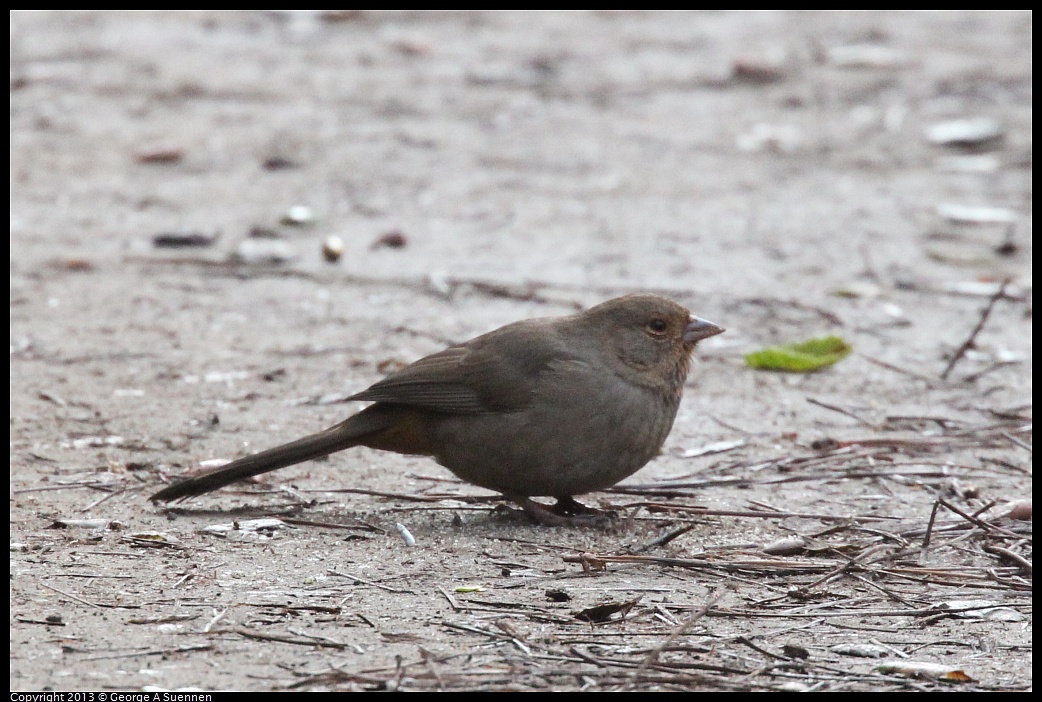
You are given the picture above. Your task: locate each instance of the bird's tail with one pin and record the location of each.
(353, 432)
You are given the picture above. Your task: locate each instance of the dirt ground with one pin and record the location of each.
(780, 173)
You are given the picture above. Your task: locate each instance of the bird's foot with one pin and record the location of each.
(568, 506)
(567, 512)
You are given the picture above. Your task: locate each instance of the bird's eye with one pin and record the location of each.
(657, 326)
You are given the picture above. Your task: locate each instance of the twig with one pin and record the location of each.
(65, 486)
(772, 302)
(250, 634)
(846, 413)
(889, 593)
(363, 581)
(1024, 563)
(851, 563)
(896, 651)
(151, 652)
(977, 520)
(87, 602)
(664, 539)
(452, 600)
(1019, 442)
(475, 630)
(924, 612)
(217, 616)
(929, 525)
(745, 641)
(684, 627)
(985, 313)
(332, 525)
(898, 369)
(428, 660)
(94, 504)
(731, 427)
(758, 514)
(1004, 464)
(412, 498)
(974, 377)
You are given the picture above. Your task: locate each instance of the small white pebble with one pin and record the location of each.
(332, 248)
(407, 536)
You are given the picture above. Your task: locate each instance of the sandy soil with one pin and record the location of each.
(772, 171)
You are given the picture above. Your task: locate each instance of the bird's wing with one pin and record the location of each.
(497, 372)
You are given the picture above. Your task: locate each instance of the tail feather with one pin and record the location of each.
(353, 432)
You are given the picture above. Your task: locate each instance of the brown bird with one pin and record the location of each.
(557, 406)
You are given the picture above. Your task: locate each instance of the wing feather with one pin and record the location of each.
(497, 372)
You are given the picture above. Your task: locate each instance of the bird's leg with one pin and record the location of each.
(541, 514)
(567, 512)
(569, 506)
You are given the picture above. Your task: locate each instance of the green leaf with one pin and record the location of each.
(804, 357)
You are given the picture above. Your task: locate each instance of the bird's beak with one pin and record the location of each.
(698, 329)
